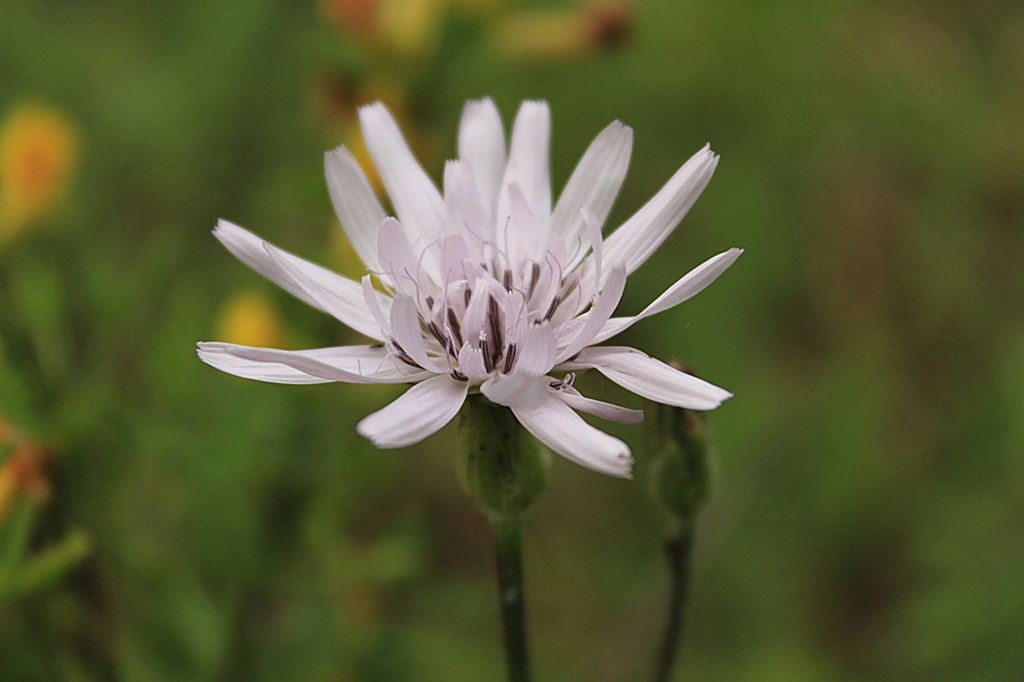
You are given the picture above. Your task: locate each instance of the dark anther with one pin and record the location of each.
(455, 327)
(485, 351)
(572, 287)
(468, 294)
(534, 276)
(508, 280)
(459, 376)
(430, 302)
(555, 302)
(510, 358)
(403, 356)
(494, 328)
(438, 334)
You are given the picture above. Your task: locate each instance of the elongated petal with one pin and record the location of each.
(464, 214)
(523, 391)
(519, 234)
(688, 286)
(595, 183)
(406, 330)
(419, 412)
(415, 197)
(372, 300)
(471, 363)
(596, 241)
(642, 234)
(537, 354)
(565, 432)
(528, 164)
(652, 378)
(338, 303)
(358, 209)
(571, 397)
(348, 364)
(346, 294)
(482, 149)
(397, 259)
(598, 316)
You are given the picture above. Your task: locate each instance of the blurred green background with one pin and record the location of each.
(869, 514)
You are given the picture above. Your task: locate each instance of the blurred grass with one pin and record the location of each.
(867, 520)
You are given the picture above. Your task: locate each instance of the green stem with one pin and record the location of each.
(677, 550)
(508, 531)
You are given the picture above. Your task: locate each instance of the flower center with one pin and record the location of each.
(475, 325)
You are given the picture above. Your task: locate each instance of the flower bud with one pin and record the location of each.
(501, 466)
(681, 460)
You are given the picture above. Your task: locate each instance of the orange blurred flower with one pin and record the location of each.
(38, 152)
(22, 473)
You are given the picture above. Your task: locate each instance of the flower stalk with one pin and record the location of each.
(508, 533)
(504, 472)
(681, 483)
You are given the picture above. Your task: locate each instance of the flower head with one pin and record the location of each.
(487, 287)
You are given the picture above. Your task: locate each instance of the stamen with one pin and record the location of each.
(485, 351)
(468, 295)
(459, 376)
(555, 302)
(510, 358)
(455, 328)
(430, 302)
(438, 334)
(508, 280)
(572, 287)
(403, 356)
(494, 327)
(534, 276)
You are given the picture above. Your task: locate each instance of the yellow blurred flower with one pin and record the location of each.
(343, 256)
(38, 153)
(564, 33)
(249, 319)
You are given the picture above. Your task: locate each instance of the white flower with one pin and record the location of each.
(487, 287)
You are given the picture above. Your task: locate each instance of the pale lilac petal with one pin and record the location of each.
(528, 161)
(358, 208)
(406, 330)
(651, 378)
(419, 412)
(598, 316)
(471, 363)
(482, 149)
(687, 287)
(454, 254)
(348, 364)
(326, 293)
(397, 259)
(415, 197)
(520, 390)
(519, 234)
(565, 432)
(346, 296)
(537, 351)
(372, 299)
(595, 183)
(571, 397)
(464, 213)
(596, 242)
(642, 234)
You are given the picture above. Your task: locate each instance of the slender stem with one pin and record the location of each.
(677, 550)
(508, 531)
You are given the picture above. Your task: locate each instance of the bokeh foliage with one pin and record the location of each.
(869, 506)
